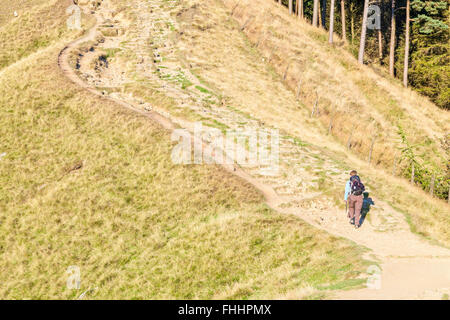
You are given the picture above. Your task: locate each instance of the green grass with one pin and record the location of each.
(111, 52)
(346, 285)
(203, 90)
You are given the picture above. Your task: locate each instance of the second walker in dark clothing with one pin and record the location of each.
(367, 202)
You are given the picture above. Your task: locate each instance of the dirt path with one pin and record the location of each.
(412, 268)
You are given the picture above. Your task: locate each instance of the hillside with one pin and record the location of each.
(364, 108)
(87, 177)
(194, 62)
(86, 183)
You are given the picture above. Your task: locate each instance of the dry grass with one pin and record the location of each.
(39, 24)
(86, 183)
(231, 64)
(7, 9)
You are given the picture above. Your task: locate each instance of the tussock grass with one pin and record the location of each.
(39, 24)
(7, 9)
(86, 183)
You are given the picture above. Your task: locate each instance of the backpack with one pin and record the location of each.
(357, 186)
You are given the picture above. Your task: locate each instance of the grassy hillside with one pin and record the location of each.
(85, 183)
(7, 9)
(363, 107)
(39, 24)
(202, 39)
(199, 42)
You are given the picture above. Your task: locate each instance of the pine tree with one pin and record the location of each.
(300, 8)
(330, 38)
(392, 42)
(428, 18)
(430, 68)
(315, 18)
(344, 33)
(406, 60)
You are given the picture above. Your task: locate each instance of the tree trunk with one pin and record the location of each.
(362, 43)
(315, 13)
(412, 172)
(392, 43)
(330, 125)
(330, 38)
(319, 14)
(291, 6)
(405, 68)
(300, 8)
(352, 8)
(344, 34)
(380, 46)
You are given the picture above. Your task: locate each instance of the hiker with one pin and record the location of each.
(353, 196)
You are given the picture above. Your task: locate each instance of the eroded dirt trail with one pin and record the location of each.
(412, 268)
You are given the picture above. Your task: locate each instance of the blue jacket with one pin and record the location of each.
(348, 190)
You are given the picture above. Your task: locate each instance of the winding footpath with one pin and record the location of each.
(411, 267)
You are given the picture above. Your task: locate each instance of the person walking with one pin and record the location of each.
(367, 203)
(354, 189)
